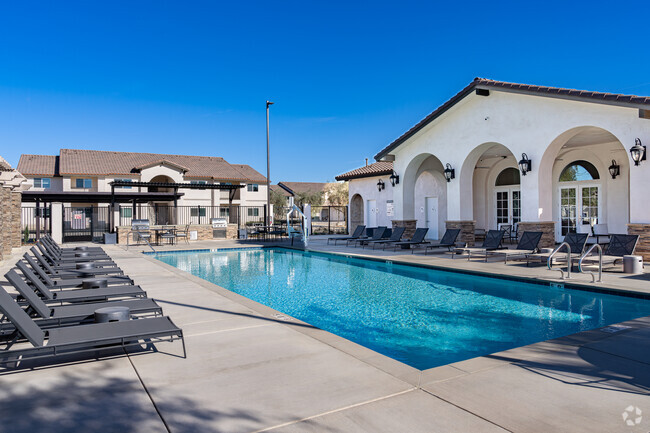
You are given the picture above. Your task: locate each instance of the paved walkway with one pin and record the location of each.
(250, 370)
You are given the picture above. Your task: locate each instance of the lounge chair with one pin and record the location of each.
(492, 242)
(82, 295)
(72, 261)
(66, 314)
(416, 240)
(356, 235)
(49, 240)
(448, 241)
(44, 246)
(377, 234)
(619, 246)
(395, 236)
(526, 245)
(73, 272)
(82, 338)
(67, 281)
(576, 241)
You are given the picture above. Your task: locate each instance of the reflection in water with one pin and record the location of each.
(419, 316)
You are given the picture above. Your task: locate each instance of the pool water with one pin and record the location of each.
(419, 316)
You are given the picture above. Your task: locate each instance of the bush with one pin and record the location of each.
(26, 235)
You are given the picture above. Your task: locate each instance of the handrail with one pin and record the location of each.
(141, 237)
(305, 234)
(600, 263)
(549, 261)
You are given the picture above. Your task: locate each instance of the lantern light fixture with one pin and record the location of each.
(525, 165)
(394, 178)
(637, 152)
(381, 185)
(449, 172)
(614, 169)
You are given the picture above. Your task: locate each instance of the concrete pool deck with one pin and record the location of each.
(250, 368)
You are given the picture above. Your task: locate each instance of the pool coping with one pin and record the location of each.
(397, 369)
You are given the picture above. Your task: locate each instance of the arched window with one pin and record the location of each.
(509, 176)
(579, 170)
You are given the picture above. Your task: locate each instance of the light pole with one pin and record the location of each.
(268, 167)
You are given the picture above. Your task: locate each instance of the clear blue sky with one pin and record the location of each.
(347, 77)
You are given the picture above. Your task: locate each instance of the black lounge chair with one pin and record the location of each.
(377, 234)
(71, 271)
(526, 245)
(356, 235)
(448, 241)
(82, 338)
(619, 246)
(82, 295)
(416, 240)
(576, 241)
(48, 239)
(491, 242)
(67, 314)
(44, 244)
(72, 261)
(69, 280)
(395, 236)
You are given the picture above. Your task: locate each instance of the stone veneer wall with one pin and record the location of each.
(409, 227)
(6, 215)
(546, 227)
(204, 232)
(16, 209)
(467, 228)
(2, 221)
(643, 246)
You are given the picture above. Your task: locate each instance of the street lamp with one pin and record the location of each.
(268, 167)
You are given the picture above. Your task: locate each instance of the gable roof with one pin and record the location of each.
(106, 163)
(376, 169)
(631, 101)
(293, 188)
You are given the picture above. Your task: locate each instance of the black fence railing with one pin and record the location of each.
(180, 215)
(329, 220)
(35, 221)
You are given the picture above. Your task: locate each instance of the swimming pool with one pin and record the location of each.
(422, 317)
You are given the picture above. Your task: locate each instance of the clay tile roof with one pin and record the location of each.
(302, 187)
(377, 169)
(250, 173)
(102, 163)
(41, 165)
(529, 89)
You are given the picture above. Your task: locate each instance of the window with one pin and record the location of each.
(197, 211)
(199, 182)
(579, 170)
(126, 212)
(224, 212)
(509, 176)
(122, 180)
(83, 183)
(42, 182)
(253, 187)
(253, 211)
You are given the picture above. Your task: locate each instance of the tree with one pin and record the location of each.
(313, 198)
(337, 193)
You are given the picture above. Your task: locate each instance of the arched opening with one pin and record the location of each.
(161, 178)
(574, 172)
(425, 194)
(356, 211)
(507, 191)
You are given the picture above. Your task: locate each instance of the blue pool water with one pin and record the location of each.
(422, 317)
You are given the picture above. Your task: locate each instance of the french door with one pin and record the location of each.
(579, 208)
(508, 206)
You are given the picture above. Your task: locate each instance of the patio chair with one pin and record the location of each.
(355, 235)
(184, 234)
(492, 242)
(600, 233)
(448, 241)
(82, 295)
(59, 281)
(507, 231)
(416, 240)
(72, 261)
(619, 246)
(58, 315)
(576, 241)
(395, 236)
(81, 338)
(72, 271)
(527, 245)
(168, 234)
(52, 243)
(377, 234)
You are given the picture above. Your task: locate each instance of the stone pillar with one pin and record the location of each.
(643, 246)
(3, 204)
(409, 227)
(546, 227)
(6, 215)
(16, 220)
(467, 228)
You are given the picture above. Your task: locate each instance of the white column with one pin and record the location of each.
(57, 222)
(307, 212)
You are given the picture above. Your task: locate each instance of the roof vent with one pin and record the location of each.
(482, 92)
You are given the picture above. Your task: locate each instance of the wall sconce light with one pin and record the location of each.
(637, 152)
(614, 169)
(381, 185)
(394, 178)
(449, 173)
(525, 165)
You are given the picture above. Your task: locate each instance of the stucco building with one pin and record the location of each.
(543, 158)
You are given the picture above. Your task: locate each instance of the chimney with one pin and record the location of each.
(366, 162)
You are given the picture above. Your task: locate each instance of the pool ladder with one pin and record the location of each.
(600, 263)
(549, 261)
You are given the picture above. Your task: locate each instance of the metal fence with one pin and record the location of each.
(329, 220)
(35, 221)
(180, 215)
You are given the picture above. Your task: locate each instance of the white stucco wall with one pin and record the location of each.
(367, 189)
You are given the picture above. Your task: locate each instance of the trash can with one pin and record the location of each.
(632, 264)
(110, 238)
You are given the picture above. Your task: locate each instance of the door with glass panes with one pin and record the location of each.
(508, 205)
(579, 208)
